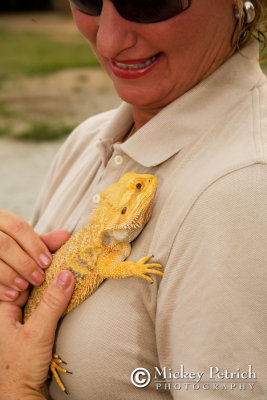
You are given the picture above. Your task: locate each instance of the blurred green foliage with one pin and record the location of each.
(264, 66)
(31, 53)
(263, 57)
(34, 53)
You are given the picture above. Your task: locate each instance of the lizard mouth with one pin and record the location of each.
(147, 212)
(142, 216)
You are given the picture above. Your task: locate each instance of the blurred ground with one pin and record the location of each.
(59, 24)
(23, 167)
(67, 96)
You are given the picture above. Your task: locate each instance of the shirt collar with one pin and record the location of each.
(192, 114)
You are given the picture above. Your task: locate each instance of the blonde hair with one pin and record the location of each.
(257, 28)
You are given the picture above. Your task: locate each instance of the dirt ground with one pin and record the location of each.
(23, 165)
(55, 24)
(68, 96)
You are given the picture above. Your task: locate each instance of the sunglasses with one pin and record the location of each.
(143, 11)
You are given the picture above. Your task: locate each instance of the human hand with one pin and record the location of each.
(23, 255)
(26, 350)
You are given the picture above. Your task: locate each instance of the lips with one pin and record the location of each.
(137, 65)
(133, 69)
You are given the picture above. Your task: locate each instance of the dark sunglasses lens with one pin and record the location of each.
(144, 11)
(149, 11)
(91, 7)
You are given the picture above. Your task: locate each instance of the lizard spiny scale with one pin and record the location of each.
(98, 250)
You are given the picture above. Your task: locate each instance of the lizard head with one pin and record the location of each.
(127, 206)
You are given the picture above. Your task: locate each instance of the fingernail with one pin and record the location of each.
(45, 260)
(63, 279)
(21, 283)
(38, 276)
(11, 294)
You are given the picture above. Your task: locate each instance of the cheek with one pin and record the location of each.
(87, 25)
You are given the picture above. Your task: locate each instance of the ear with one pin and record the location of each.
(107, 239)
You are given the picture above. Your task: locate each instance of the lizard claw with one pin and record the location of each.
(147, 278)
(55, 367)
(143, 268)
(143, 260)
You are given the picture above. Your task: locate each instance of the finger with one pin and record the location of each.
(52, 305)
(54, 240)
(8, 294)
(22, 298)
(24, 235)
(12, 295)
(14, 256)
(8, 277)
(10, 315)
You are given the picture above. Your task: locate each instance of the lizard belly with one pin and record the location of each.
(84, 269)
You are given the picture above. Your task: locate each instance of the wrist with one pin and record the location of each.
(25, 394)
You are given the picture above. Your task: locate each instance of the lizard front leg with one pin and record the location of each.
(110, 267)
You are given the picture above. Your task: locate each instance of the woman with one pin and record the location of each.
(194, 114)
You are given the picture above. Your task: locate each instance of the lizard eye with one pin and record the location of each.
(123, 211)
(138, 186)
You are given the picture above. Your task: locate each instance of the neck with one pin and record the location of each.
(141, 117)
(143, 114)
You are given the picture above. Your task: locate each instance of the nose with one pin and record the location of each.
(115, 34)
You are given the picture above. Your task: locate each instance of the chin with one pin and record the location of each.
(138, 96)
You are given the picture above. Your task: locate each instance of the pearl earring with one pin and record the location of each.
(248, 12)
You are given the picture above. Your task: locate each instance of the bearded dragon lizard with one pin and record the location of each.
(98, 250)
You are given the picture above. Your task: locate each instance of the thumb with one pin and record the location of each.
(52, 305)
(55, 239)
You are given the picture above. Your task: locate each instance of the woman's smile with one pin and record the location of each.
(133, 68)
(153, 64)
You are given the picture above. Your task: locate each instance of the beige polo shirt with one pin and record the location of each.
(201, 330)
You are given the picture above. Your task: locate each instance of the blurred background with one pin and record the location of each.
(50, 81)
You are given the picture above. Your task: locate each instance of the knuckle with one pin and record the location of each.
(7, 275)
(4, 241)
(17, 226)
(53, 300)
(37, 245)
(27, 265)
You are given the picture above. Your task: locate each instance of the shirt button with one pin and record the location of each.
(118, 160)
(96, 198)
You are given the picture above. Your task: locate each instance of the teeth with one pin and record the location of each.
(136, 66)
